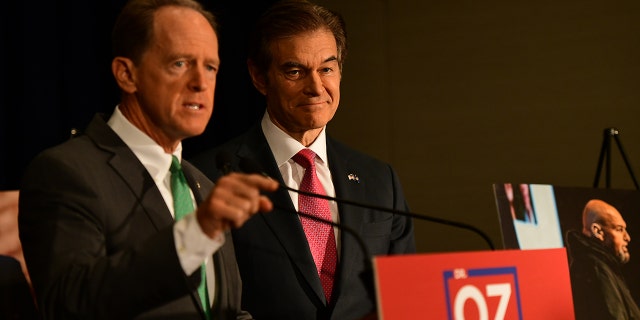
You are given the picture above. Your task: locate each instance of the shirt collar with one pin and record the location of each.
(283, 146)
(150, 153)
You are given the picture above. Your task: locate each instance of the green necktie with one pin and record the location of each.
(183, 205)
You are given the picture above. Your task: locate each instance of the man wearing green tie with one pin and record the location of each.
(113, 224)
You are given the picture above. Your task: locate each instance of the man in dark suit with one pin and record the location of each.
(97, 212)
(295, 61)
(596, 256)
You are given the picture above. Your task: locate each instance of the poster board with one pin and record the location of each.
(540, 216)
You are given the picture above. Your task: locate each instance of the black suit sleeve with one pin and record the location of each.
(89, 245)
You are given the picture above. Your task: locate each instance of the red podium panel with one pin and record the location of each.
(504, 284)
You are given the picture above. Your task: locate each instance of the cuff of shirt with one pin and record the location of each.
(193, 246)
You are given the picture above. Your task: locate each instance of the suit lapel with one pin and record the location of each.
(283, 221)
(197, 184)
(127, 165)
(349, 215)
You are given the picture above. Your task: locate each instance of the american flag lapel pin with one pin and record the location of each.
(353, 177)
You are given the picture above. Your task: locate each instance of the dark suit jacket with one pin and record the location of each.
(98, 236)
(277, 269)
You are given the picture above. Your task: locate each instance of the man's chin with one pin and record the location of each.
(624, 257)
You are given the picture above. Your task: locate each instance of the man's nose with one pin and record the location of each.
(198, 80)
(313, 85)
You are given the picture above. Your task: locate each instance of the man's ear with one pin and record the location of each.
(257, 77)
(123, 71)
(597, 231)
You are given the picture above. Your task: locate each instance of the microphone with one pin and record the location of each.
(251, 166)
(223, 162)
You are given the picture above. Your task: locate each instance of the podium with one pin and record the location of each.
(504, 284)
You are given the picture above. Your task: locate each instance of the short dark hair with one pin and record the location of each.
(289, 18)
(133, 29)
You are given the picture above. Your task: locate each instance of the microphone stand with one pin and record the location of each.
(248, 165)
(399, 212)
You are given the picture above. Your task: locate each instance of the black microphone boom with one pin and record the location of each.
(402, 213)
(251, 166)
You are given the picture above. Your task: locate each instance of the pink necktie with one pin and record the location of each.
(320, 236)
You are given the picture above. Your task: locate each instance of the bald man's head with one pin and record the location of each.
(602, 221)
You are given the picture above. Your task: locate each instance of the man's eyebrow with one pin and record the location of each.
(293, 64)
(178, 55)
(332, 58)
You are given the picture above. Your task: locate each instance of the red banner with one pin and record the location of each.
(506, 284)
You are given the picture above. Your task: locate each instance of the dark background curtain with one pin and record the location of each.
(56, 74)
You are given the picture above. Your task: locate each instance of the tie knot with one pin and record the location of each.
(305, 158)
(175, 165)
